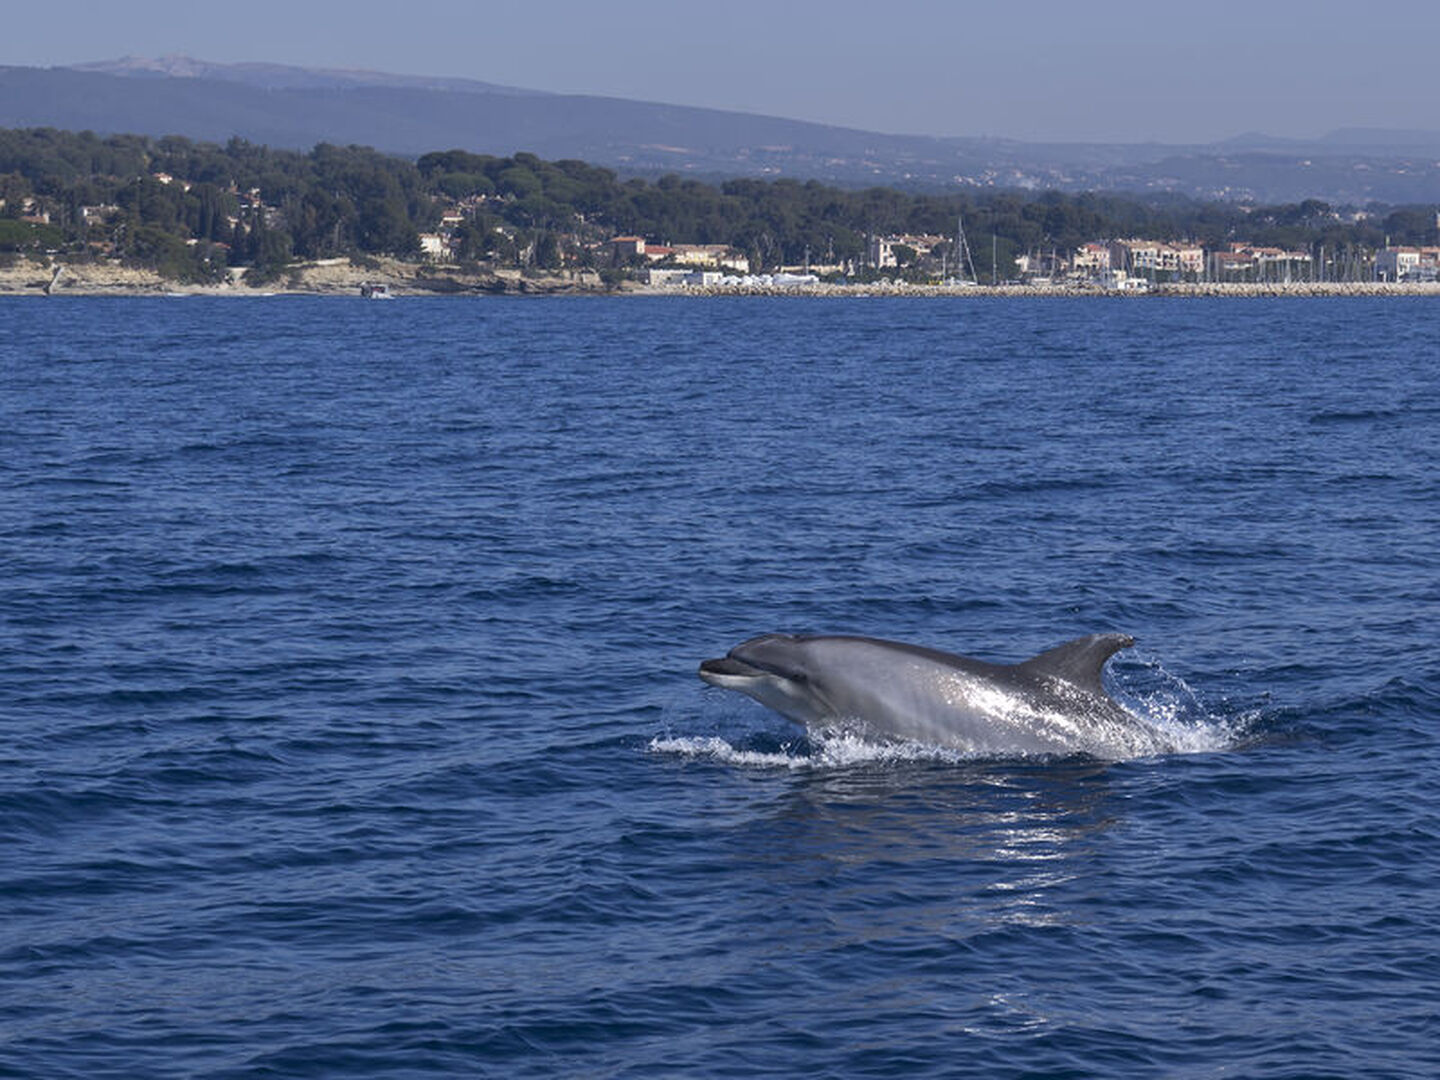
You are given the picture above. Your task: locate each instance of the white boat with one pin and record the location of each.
(375, 291)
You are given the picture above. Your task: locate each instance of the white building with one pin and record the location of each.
(882, 248)
(720, 256)
(1146, 258)
(1407, 263)
(666, 276)
(1091, 259)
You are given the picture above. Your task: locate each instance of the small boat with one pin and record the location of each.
(375, 291)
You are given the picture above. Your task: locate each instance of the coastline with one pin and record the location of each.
(339, 277)
(325, 277)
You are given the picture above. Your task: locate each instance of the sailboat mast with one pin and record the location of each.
(962, 249)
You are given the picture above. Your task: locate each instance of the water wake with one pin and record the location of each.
(826, 748)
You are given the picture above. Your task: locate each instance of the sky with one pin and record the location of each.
(1049, 70)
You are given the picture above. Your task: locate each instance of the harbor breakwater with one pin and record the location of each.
(1206, 289)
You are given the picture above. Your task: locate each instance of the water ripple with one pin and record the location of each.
(351, 723)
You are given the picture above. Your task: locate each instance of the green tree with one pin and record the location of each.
(1411, 226)
(547, 252)
(28, 236)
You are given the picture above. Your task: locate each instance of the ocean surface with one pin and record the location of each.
(350, 726)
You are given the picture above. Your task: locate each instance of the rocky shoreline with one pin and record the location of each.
(341, 277)
(327, 277)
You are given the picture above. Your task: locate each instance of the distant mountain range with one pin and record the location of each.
(295, 108)
(285, 77)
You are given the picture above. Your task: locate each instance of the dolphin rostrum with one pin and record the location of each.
(1051, 704)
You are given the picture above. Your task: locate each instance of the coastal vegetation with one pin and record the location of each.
(195, 210)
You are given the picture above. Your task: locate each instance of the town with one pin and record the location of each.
(243, 215)
(1124, 265)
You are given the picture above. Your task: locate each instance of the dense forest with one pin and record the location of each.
(194, 209)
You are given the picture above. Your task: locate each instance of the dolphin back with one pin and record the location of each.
(1077, 662)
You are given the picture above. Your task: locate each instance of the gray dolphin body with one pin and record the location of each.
(1051, 704)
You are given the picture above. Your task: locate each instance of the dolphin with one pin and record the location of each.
(1050, 705)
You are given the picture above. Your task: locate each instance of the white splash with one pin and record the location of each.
(717, 749)
(827, 748)
(1168, 704)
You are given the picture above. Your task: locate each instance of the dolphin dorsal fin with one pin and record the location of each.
(1078, 662)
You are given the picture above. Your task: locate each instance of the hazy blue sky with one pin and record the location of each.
(1034, 69)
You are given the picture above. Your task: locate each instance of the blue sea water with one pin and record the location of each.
(349, 723)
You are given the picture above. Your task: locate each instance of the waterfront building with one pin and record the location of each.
(882, 255)
(1250, 262)
(1091, 260)
(666, 276)
(1407, 263)
(623, 248)
(1152, 258)
(1231, 266)
(720, 256)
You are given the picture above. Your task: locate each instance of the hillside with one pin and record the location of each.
(296, 108)
(197, 210)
